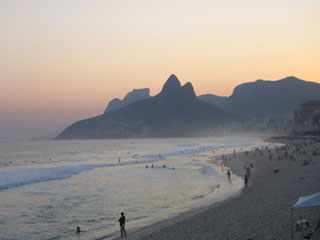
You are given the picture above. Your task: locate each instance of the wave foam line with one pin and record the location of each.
(19, 177)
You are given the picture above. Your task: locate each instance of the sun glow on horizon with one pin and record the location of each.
(67, 59)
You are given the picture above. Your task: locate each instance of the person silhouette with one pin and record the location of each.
(228, 173)
(245, 179)
(122, 221)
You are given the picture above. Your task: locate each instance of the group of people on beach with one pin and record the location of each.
(247, 169)
(122, 222)
(163, 166)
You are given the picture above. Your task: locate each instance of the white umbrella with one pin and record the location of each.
(312, 200)
(308, 201)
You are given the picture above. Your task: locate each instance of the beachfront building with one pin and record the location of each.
(307, 118)
(268, 125)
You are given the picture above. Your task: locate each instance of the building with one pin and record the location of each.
(307, 118)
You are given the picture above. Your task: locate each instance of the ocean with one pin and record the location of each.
(48, 188)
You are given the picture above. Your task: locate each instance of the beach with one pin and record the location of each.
(262, 210)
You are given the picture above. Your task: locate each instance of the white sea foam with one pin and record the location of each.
(208, 169)
(18, 177)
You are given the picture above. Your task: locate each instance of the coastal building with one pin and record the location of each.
(307, 118)
(268, 125)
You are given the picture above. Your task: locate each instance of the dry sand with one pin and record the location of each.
(262, 210)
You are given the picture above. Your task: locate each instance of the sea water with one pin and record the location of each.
(48, 188)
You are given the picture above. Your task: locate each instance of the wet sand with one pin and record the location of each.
(263, 209)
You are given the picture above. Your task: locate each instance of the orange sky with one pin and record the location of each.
(64, 60)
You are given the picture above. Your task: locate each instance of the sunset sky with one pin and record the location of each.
(63, 60)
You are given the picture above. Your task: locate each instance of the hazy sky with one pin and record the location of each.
(63, 60)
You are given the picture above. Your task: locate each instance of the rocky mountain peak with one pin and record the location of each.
(172, 84)
(188, 90)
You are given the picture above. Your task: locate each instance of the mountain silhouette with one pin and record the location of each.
(261, 99)
(213, 99)
(175, 112)
(133, 96)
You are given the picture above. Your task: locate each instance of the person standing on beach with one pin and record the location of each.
(228, 173)
(245, 180)
(248, 171)
(122, 221)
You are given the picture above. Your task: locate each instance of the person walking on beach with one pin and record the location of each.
(122, 221)
(248, 171)
(228, 173)
(245, 180)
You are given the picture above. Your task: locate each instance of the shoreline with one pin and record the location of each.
(259, 211)
(205, 159)
(212, 161)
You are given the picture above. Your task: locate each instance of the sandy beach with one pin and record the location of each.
(262, 210)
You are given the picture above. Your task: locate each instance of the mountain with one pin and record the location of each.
(262, 99)
(133, 96)
(175, 112)
(213, 99)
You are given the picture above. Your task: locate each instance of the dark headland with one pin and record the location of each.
(175, 112)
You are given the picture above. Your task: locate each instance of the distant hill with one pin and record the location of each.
(174, 112)
(213, 99)
(133, 96)
(261, 98)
